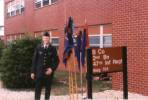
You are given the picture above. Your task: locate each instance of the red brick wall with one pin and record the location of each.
(54, 17)
(130, 28)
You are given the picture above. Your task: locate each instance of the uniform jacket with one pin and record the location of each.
(38, 60)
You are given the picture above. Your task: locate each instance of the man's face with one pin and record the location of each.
(45, 39)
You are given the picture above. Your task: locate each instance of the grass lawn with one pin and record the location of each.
(60, 84)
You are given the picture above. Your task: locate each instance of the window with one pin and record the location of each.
(95, 40)
(15, 7)
(55, 41)
(38, 3)
(1, 31)
(9, 39)
(9, 9)
(53, 1)
(107, 41)
(45, 2)
(100, 39)
(13, 12)
(1, 28)
(41, 3)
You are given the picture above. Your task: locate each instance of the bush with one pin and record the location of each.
(16, 62)
(1, 47)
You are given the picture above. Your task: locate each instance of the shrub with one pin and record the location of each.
(16, 62)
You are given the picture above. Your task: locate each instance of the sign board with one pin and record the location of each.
(104, 60)
(107, 59)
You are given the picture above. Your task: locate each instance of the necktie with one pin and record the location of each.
(46, 46)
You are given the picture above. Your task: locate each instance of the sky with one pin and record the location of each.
(1, 16)
(1, 13)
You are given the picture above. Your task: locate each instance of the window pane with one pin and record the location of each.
(8, 14)
(45, 2)
(53, 1)
(55, 41)
(94, 40)
(107, 39)
(17, 11)
(13, 13)
(107, 45)
(22, 10)
(18, 6)
(38, 4)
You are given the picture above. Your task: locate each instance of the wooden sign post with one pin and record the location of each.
(107, 60)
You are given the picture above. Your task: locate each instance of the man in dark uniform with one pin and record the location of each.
(44, 63)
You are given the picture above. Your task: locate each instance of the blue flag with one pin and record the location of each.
(78, 48)
(84, 43)
(68, 40)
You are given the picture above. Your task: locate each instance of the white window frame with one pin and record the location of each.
(20, 36)
(102, 36)
(54, 37)
(101, 44)
(37, 1)
(22, 6)
(11, 6)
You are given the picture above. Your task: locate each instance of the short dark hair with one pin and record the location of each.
(46, 34)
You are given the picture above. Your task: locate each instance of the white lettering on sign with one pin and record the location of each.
(96, 57)
(105, 57)
(117, 61)
(101, 51)
(94, 63)
(107, 62)
(97, 70)
(105, 69)
(97, 63)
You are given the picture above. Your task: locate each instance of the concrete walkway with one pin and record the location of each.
(6, 94)
(106, 95)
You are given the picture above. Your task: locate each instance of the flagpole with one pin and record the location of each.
(70, 72)
(87, 45)
(69, 84)
(71, 79)
(75, 76)
(81, 77)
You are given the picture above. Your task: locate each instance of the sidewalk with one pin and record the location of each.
(106, 95)
(6, 94)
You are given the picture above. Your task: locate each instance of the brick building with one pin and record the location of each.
(111, 23)
(130, 28)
